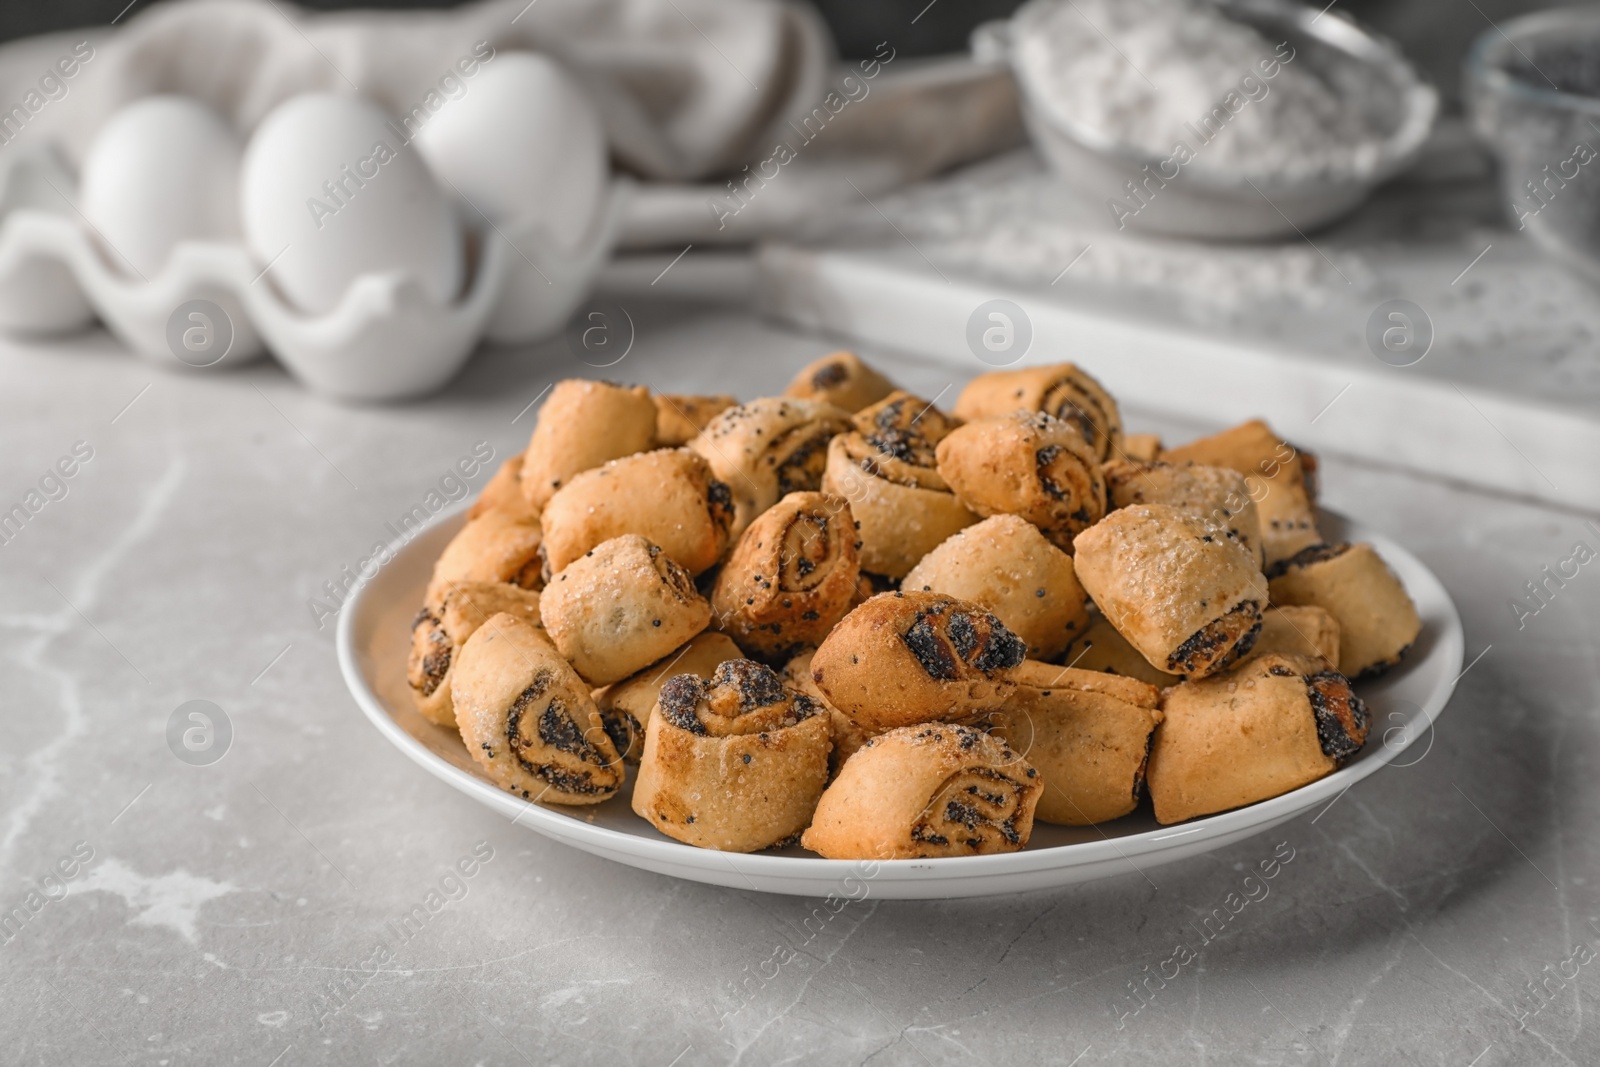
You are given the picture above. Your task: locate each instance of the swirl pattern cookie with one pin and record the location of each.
(791, 577)
(621, 607)
(902, 504)
(528, 720)
(1377, 621)
(1063, 390)
(1184, 592)
(767, 449)
(625, 705)
(582, 425)
(1029, 464)
(1006, 565)
(689, 514)
(437, 634)
(913, 657)
(735, 763)
(933, 789)
(1277, 723)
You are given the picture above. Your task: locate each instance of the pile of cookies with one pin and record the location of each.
(845, 617)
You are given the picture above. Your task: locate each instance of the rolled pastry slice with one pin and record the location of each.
(847, 736)
(906, 413)
(679, 418)
(1026, 463)
(497, 546)
(528, 719)
(1275, 724)
(791, 577)
(668, 496)
(1087, 734)
(1299, 630)
(437, 634)
(1005, 564)
(933, 789)
(735, 763)
(840, 379)
(625, 705)
(503, 492)
(1184, 591)
(582, 425)
(621, 607)
(1140, 448)
(902, 505)
(768, 448)
(912, 657)
(1219, 493)
(1063, 390)
(1276, 472)
(1102, 649)
(1378, 622)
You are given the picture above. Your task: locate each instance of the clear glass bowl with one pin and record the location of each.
(1533, 92)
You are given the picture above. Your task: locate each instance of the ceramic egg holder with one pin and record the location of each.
(387, 339)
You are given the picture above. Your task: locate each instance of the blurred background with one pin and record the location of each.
(1435, 33)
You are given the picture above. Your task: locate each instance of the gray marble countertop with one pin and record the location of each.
(1446, 912)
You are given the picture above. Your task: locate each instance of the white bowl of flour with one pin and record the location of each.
(1239, 119)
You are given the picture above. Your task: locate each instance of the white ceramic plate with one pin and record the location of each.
(374, 639)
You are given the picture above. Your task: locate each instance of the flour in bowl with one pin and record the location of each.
(1182, 82)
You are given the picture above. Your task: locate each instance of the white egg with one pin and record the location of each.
(330, 191)
(521, 143)
(162, 170)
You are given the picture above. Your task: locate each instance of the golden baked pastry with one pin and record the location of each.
(1378, 622)
(1101, 648)
(768, 448)
(1026, 463)
(625, 705)
(680, 418)
(911, 657)
(1219, 493)
(528, 719)
(583, 424)
(668, 496)
(620, 607)
(1275, 724)
(1087, 734)
(902, 505)
(932, 789)
(1299, 630)
(438, 632)
(901, 411)
(1184, 591)
(791, 577)
(847, 736)
(1063, 390)
(1276, 472)
(840, 379)
(503, 492)
(497, 546)
(735, 763)
(1006, 565)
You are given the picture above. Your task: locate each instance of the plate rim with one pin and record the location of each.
(572, 829)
